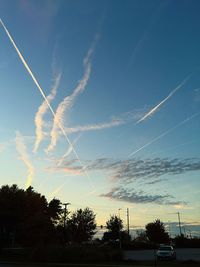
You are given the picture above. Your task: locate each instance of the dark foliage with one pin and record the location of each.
(184, 242)
(81, 226)
(114, 226)
(26, 218)
(156, 233)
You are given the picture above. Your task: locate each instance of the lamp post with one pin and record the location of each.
(179, 223)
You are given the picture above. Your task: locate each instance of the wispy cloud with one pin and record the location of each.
(65, 106)
(68, 101)
(94, 127)
(21, 149)
(140, 197)
(91, 49)
(73, 171)
(68, 152)
(114, 122)
(156, 108)
(39, 122)
(59, 123)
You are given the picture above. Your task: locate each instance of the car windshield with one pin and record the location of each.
(165, 248)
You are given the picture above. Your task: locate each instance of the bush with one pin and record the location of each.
(183, 242)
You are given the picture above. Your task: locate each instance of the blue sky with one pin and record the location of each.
(123, 80)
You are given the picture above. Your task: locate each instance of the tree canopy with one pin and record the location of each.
(26, 218)
(156, 232)
(114, 226)
(82, 225)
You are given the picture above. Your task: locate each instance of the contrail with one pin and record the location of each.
(21, 148)
(55, 192)
(69, 151)
(115, 121)
(68, 101)
(65, 105)
(155, 109)
(94, 127)
(91, 50)
(41, 112)
(165, 133)
(175, 147)
(41, 91)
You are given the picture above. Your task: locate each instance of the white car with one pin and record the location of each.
(166, 252)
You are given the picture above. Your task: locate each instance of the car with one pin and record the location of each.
(166, 252)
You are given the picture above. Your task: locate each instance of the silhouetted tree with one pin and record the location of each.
(156, 233)
(82, 225)
(26, 218)
(114, 226)
(12, 206)
(55, 210)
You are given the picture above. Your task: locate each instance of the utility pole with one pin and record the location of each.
(120, 241)
(179, 222)
(184, 231)
(65, 213)
(128, 221)
(65, 218)
(190, 234)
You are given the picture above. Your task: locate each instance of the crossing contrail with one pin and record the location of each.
(39, 123)
(165, 133)
(69, 151)
(155, 109)
(41, 92)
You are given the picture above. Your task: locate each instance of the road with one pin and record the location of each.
(181, 254)
(140, 255)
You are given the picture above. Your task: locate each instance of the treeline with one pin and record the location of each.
(27, 219)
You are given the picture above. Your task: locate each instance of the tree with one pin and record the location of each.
(82, 225)
(55, 210)
(114, 226)
(156, 232)
(26, 218)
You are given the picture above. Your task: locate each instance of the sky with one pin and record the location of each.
(100, 106)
